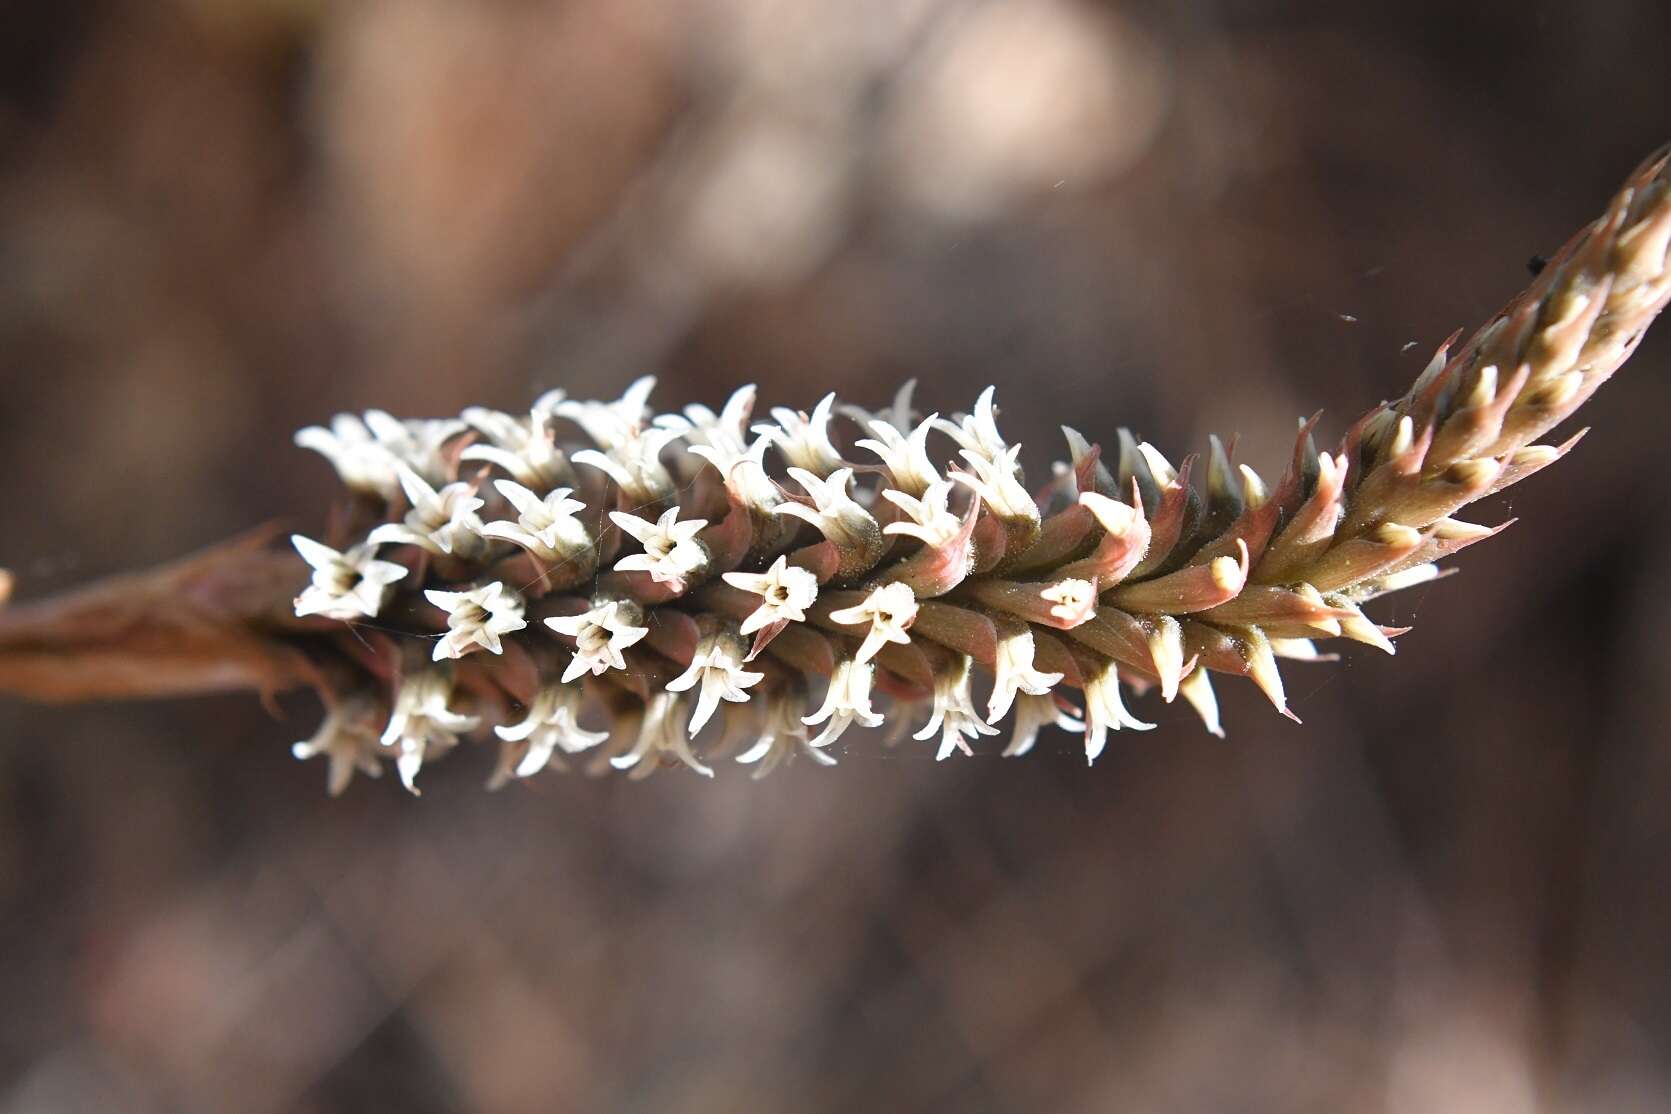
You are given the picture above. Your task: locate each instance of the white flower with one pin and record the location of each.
(546, 528)
(419, 443)
(1072, 600)
(847, 700)
(954, 714)
(671, 551)
(362, 462)
(931, 520)
(1014, 673)
(725, 433)
(552, 724)
(635, 464)
(441, 522)
(477, 617)
(804, 440)
(783, 736)
(524, 447)
(785, 592)
(348, 740)
(609, 424)
(1034, 712)
(422, 720)
(662, 734)
(718, 666)
(889, 611)
(997, 480)
(347, 585)
(744, 471)
(601, 634)
(1104, 710)
(833, 512)
(978, 433)
(905, 456)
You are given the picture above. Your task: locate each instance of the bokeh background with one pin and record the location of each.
(223, 219)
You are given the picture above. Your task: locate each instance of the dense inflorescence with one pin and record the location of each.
(775, 581)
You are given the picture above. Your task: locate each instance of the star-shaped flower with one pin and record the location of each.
(419, 443)
(349, 585)
(600, 635)
(904, 455)
(362, 462)
(847, 701)
(551, 725)
(1033, 713)
(610, 424)
(671, 551)
(834, 512)
(477, 618)
(1072, 600)
(718, 667)
(804, 439)
(954, 712)
(888, 611)
(784, 734)
(663, 735)
(422, 721)
(930, 518)
(546, 528)
(524, 447)
(1014, 671)
(348, 740)
(441, 522)
(1105, 710)
(785, 592)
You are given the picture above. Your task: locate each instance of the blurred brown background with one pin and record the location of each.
(224, 219)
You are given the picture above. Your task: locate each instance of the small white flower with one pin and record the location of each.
(524, 447)
(671, 551)
(997, 481)
(551, 725)
(889, 611)
(785, 592)
(600, 634)
(1035, 712)
(1072, 600)
(348, 740)
(546, 528)
(663, 734)
(346, 586)
(441, 522)
(783, 736)
(422, 721)
(744, 471)
(609, 424)
(846, 701)
(904, 455)
(419, 443)
(477, 617)
(718, 666)
(931, 520)
(1014, 673)
(833, 512)
(362, 462)
(954, 714)
(725, 433)
(978, 433)
(1104, 710)
(635, 464)
(803, 439)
